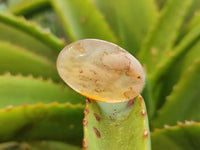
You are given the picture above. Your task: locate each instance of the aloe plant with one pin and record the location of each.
(106, 73)
(38, 111)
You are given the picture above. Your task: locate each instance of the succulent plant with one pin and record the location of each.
(112, 80)
(38, 111)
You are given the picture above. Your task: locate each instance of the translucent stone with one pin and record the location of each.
(101, 71)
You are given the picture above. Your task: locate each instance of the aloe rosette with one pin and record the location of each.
(39, 112)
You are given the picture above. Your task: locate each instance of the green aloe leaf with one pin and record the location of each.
(47, 18)
(119, 126)
(195, 20)
(129, 19)
(163, 34)
(52, 145)
(28, 7)
(172, 67)
(81, 20)
(147, 95)
(15, 60)
(160, 3)
(25, 34)
(191, 19)
(18, 90)
(42, 122)
(195, 7)
(170, 80)
(38, 145)
(181, 137)
(39, 11)
(184, 102)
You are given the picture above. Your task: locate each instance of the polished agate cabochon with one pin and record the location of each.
(101, 70)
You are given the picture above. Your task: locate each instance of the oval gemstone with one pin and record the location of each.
(101, 70)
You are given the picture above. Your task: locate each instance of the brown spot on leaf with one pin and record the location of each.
(9, 107)
(25, 105)
(166, 126)
(154, 51)
(39, 104)
(117, 124)
(88, 100)
(145, 133)
(140, 97)
(97, 117)
(85, 144)
(96, 131)
(143, 112)
(130, 103)
(85, 122)
(82, 20)
(54, 103)
(86, 111)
